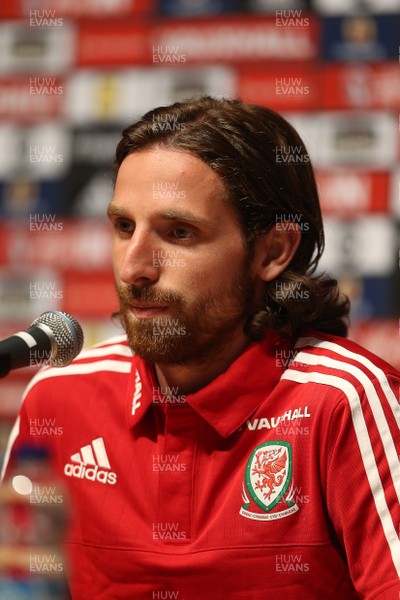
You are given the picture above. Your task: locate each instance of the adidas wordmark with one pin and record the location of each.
(91, 463)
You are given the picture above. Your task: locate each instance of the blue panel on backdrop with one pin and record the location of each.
(376, 300)
(23, 196)
(193, 8)
(362, 37)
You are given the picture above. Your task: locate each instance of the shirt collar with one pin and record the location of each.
(231, 398)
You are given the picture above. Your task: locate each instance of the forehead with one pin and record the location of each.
(167, 163)
(167, 178)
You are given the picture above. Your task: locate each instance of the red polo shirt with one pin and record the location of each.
(278, 479)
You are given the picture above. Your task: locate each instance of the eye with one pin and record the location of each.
(124, 227)
(181, 233)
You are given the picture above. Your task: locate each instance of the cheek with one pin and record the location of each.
(117, 257)
(212, 271)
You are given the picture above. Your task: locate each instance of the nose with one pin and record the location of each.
(138, 265)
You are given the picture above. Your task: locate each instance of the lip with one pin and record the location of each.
(147, 311)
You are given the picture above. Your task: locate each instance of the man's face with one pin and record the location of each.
(180, 263)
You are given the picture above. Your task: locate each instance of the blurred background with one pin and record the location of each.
(74, 73)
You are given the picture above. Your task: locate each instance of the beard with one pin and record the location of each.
(187, 333)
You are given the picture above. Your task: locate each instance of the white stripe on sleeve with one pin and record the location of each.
(374, 402)
(13, 436)
(368, 457)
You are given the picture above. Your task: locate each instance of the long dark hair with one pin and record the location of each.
(269, 178)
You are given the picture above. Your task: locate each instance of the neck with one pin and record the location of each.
(190, 378)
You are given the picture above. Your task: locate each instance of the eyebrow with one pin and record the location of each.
(185, 216)
(181, 215)
(114, 210)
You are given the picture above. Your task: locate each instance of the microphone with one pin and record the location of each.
(55, 338)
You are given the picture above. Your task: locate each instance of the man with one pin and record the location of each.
(246, 450)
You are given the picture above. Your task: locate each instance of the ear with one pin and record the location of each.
(275, 249)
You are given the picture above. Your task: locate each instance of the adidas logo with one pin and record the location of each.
(91, 462)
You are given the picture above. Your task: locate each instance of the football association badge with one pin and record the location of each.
(268, 486)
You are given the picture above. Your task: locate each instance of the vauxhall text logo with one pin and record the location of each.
(91, 463)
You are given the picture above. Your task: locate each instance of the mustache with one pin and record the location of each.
(130, 293)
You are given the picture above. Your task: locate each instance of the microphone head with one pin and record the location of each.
(66, 333)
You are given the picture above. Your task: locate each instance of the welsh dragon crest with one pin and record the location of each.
(271, 468)
(267, 479)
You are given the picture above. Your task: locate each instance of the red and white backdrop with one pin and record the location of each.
(74, 73)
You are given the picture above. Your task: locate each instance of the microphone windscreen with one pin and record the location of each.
(67, 333)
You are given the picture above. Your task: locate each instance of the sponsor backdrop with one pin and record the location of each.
(74, 73)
